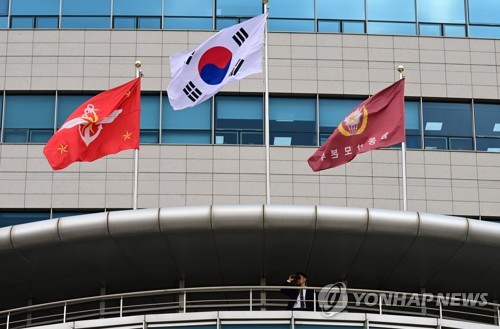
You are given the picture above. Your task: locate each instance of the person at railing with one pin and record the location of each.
(300, 299)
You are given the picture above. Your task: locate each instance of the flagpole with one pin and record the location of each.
(138, 73)
(401, 70)
(266, 106)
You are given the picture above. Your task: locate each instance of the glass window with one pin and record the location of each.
(222, 23)
(391, 28)
(331, 113)
(1, 103)
(8, 218)
(150, 118)
(300, 9)
(238, 8)
(173, 23)
(85, 22)
(47, 22)
(291, 25)
(442, 11)
(149, 22)
(454, 30)
(484, 12)
(412, 124)
(4, 22)
(487, 127)
(445, 121)
(87, 7)
(189, 126)
(484, 31)
(353, 27)
(329, 26)
(67, 104)
(430, 30)
(189, 8)
(4, 7)
(22, 22)
(124, 22)
(134, 8)
(238, 120)
(292, 121)
(27, 115)
(391, 10)
(35, 7)
(340, 9)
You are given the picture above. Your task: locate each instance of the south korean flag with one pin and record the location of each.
(232, 54)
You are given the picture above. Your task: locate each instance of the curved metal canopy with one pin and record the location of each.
(146, 249)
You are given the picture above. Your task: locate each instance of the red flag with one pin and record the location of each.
(105, 124)
(375, 123)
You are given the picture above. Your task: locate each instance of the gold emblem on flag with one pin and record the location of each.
(355, 123)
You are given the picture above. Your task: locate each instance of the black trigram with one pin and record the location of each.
(240, 36)
(237, 67)
(189, 58)
(192, 92)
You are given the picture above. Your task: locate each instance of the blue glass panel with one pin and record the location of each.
(488, 144)
(436, 143)
(442, 11)
(291, 25)
(430, 30)
(150, 112)
(254, 138)
(413, 142)
(4, 7)
(194, 118)
(35, 7)
(172, 23)
(484, 11)
(340, 9)
(67, 104)
(332, 327)
(222, 23)
(239, 112)
(87, 7)
(4, 22)
(353, 27)
(16, 135)
(40, 136)
(238, 8)
(447, 119)
(185, 137)
(135, 8)
(189, 8)
(22, 22)
(459, 144)
(454, 30)
(149, 136)
(29, 111)
(299, 9)
(14, 218)
(487, 118)
(124, 22)
(391, 10)
(328, 26)
(391, 28)
(484, 31)
(412, 117)
(292, 121)
(333, 111)
(149, 23)
(47, 22)
(85, 22)
(226, 137)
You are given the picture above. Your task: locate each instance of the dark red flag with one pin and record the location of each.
(375, 123)
(105, 124)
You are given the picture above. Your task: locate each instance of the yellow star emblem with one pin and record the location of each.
(126, 136)
(63, 149)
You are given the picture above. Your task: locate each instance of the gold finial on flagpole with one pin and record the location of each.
(265, 1)
(401, 70)
(138, 64)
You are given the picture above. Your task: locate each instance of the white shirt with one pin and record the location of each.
(299, 299)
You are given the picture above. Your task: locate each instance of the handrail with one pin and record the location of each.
(251, 303)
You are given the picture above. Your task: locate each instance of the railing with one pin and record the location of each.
(473, 307)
